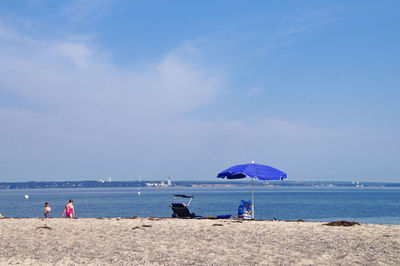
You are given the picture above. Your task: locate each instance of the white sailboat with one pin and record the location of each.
(140, 182)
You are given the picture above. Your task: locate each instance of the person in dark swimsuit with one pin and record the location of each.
(47, 210)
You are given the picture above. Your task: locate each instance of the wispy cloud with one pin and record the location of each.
(290, 29)
(7, 34)
(89, 10)
(252, 91)
(263, 35)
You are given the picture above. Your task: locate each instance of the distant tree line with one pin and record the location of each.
(243, 182)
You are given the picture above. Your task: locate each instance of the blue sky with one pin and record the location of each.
(122, 89)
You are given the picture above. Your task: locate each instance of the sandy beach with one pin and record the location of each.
(155, 241)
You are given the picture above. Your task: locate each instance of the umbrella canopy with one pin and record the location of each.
(252, 170)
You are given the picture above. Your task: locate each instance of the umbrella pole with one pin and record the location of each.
(252, 198)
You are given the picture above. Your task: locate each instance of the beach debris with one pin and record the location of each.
(1, 216)
(44, 227)
(157, 218)
(138, 227)
(299, 221)
(341, 223)
(135, 217)
(26, 196)
(217, 225)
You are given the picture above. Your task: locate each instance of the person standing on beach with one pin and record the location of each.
(47, 210)
(69, 211)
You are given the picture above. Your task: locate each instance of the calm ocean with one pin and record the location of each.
(369, 205)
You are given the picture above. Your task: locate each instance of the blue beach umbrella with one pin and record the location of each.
(253, 170)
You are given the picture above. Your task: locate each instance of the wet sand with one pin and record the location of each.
(146, 241)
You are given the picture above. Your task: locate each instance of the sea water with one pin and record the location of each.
(369, 205)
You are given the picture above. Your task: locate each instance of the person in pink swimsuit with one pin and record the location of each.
(69, 211)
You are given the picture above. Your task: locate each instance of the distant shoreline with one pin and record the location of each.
(162, 184)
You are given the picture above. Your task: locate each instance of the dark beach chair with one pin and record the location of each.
(181, 210)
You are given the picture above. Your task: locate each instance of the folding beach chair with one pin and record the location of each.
(181, 210)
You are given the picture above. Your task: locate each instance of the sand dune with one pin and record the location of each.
(145, 241)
